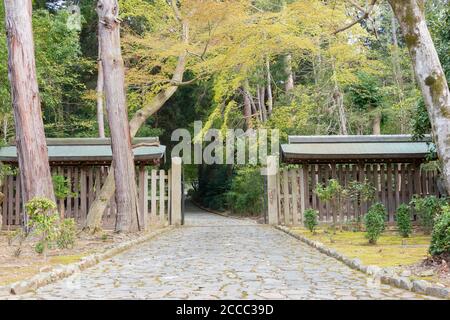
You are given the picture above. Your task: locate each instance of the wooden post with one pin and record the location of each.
(176, 191)
(272, 189)
(153, 196)
(162, 197)
(143, 196)
(295, 195)
(303, 191)
(287, 206)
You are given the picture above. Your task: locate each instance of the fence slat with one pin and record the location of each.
(295, 195)
(286, 197)
(143, 196)
(153, 194)
(17, 201)
(4, 204)
(162, 197)
(83, 194)
(10, 200)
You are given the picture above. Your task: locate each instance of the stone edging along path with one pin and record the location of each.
(384, 275)
(64, 271)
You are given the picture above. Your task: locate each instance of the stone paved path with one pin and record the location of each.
(214, 257)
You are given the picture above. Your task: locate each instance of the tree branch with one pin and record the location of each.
(366, 14)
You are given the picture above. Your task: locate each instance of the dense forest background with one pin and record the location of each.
(261, 63)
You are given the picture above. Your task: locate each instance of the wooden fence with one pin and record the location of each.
(154, 192)
(394, 183)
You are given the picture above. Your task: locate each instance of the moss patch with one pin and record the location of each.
(411, 40)
(66, 259)
(391, 249)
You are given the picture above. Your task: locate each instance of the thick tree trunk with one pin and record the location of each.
(429, 75)
(376, 124)
(30, 137)
(100, 95)
(269, 89)
(339, 101)
(114, 86)
(289, 85)
(98, 207)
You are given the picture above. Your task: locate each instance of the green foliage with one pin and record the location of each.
(62, 187)
(39, 247)
(374, 222)
(336, 194)
(421, 121)
(361, 191)
(246, 192)
(427, 208)
(329, 191)
(7, 170)
(213, 184)
(366, 92)
(403, 219)
(45, 223)
(43, 220)
(311, 219)
(66, 234)
(440, 238)
(438, 19)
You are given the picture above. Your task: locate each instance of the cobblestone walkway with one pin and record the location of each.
(214, 257)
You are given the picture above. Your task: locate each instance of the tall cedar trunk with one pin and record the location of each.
(429, 75)
(100, 96)
(376, 124)
(98, 207)
(30, 137)
(289, 85)
(250, 97)
(339, 104)
(114, 77)
(396, 58)
(247, 109)
(269, 88)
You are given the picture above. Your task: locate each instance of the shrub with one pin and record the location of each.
(361, 191)
(332, 193)
(311, 219)
(403, 216)
(43, 220)
(374, 222)
(39, 247)
(427, 209)
(61, 187)
(67, 234)
(440, 239)
(244, 196)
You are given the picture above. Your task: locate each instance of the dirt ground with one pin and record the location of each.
(15, 268)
